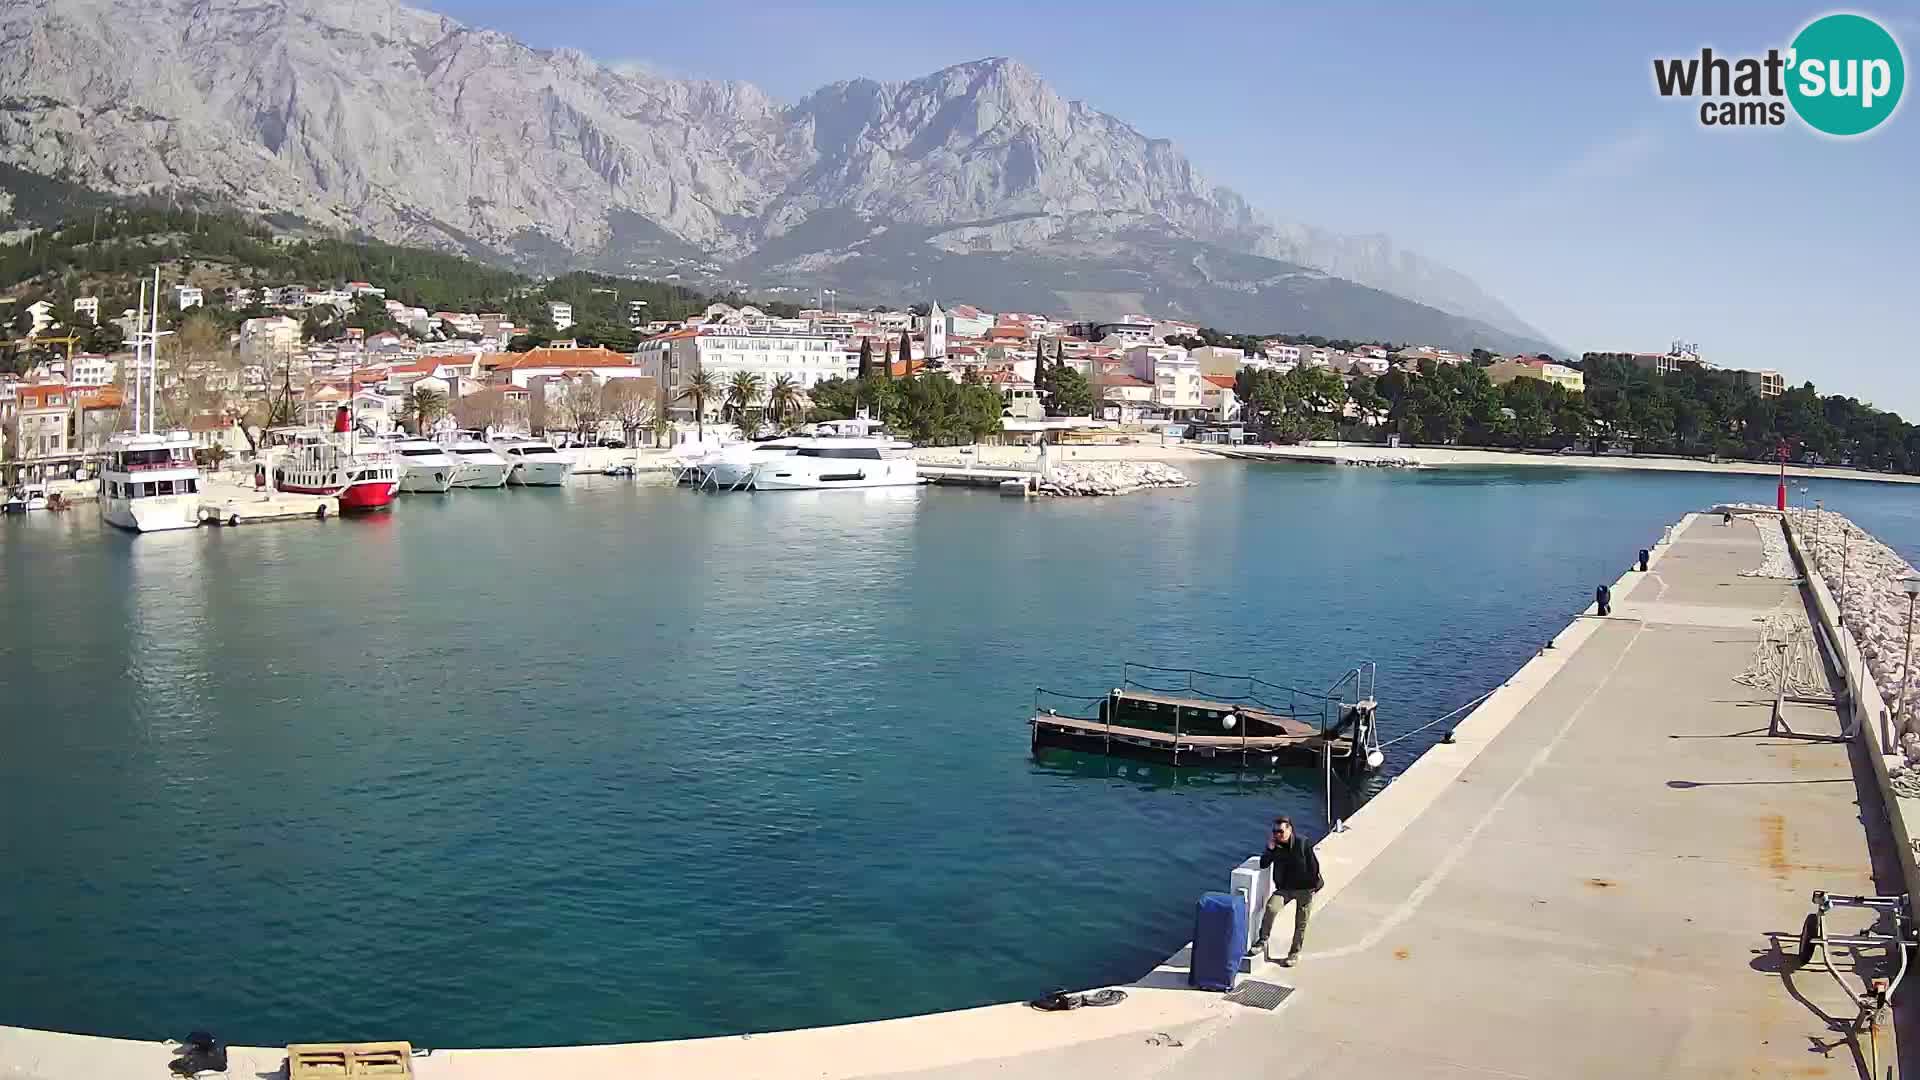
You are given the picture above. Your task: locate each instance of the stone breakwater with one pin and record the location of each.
(1109, 478)
(1864, 576)
(1381, 462)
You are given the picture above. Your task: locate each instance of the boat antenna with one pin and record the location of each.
(153, 355)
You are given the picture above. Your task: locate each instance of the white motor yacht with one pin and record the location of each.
(855, 453)
(425, 466)
(24, 498)
(149, 482)
(533, 462)
(480, 465)
(733, 465)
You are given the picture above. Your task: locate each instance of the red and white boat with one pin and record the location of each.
(325, 463)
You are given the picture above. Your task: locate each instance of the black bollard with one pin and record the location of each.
(1643, 560)
(1603, 600)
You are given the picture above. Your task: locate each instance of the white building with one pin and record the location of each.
(187, 296)
(88, 306)
(561, 314)
(1217, 397)
(267, 339)
(92, 370)
(723, 351)
(965, 320)
(338, 299)
(290, 296)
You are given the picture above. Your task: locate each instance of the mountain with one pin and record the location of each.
(978, 182)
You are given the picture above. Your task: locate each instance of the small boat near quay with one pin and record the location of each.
(23, 498)
(1199, 718)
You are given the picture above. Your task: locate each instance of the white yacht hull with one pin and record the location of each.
(540, 473)
(481, 475)
(155, 513)
(819, 474)
(429, 479)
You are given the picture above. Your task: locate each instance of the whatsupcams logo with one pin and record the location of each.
(1841, 76)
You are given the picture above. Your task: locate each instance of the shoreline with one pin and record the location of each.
(1456, 457)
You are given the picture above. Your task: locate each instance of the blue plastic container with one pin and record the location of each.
(1219, 941)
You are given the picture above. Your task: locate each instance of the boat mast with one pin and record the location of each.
(153, 354)
(139, 326)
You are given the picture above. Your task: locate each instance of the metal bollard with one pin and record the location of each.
(1643, 560)
(1603, 600)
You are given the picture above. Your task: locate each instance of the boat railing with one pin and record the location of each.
(1214, 686)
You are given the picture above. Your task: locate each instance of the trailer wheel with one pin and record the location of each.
(1809, 939)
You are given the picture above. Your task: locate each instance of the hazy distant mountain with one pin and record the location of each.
(978, 182)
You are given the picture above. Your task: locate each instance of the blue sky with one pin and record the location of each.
(1521, 144)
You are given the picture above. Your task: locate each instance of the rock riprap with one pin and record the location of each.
(1110, 478)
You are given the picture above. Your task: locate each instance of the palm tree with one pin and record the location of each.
(742, 391)
(700, 388)
(424, 406)
(783, 399)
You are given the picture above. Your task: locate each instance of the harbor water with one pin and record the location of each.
(621, 762)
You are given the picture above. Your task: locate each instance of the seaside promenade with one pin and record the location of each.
(1604, 874)
(1455, 457)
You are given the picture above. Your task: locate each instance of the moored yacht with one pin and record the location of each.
(733, 464)
(149, 482)
(480, 465)
(425, 466)
(532, 462)
(856, 453)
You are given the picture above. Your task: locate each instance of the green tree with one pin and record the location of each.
(743, 390)
(1071, 395)
(424, 406)
(783, 400)
(700, 388)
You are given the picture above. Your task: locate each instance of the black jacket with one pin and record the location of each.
(1295, 866)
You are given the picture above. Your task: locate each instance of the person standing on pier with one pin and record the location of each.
(1296, 877)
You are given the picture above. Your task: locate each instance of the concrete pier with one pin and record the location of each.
(227, 499)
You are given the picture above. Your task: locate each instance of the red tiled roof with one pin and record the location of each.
(208, 422)
(1124, 380)
(1220, 380)
(565, 358)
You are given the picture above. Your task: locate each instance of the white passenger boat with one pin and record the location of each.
(149, 482)
(533, 462)
(425, 466)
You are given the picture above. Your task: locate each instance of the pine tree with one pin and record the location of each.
(866, 358)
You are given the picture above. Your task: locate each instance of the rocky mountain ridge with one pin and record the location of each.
(375, 116)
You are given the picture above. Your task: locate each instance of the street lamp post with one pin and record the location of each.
(1912, 587)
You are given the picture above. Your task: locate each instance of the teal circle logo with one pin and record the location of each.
(1845, 74)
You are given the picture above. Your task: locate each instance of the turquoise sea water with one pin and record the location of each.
(623, 762)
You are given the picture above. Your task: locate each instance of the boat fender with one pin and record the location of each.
(320, 512)
(233, 520)
(1228, 721)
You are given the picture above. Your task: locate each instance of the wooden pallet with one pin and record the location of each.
(349, 1061)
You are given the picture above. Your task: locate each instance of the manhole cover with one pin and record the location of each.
(1260, 995)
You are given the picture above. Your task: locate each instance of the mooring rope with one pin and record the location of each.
(1805, 674)
(1433, 723)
